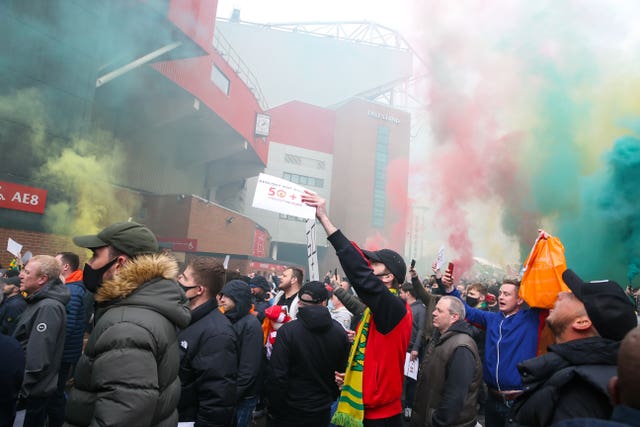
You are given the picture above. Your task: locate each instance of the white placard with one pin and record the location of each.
(312, 249)
(411, 367)
(279, 195)
(440, 259)
(14, 247)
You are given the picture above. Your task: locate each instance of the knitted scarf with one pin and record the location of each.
(350, 412)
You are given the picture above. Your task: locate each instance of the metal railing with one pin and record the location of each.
(222, 45)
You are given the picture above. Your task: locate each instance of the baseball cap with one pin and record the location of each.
(609, 309)
(392, 260)
(315, 292)
(129, 238)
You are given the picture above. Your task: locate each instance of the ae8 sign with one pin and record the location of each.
(22, 198)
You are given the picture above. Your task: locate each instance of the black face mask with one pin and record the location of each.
(93, 278)
(471, 301)
(186, 289)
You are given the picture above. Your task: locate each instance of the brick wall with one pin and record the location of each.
(37, 243)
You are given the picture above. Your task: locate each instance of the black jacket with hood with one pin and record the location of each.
(307, 352)
(208, 368)
(250, 341)
(570, 381)
(41, 331)
(128, 374)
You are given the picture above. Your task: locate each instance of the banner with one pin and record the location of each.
(22, 198)
(259, 243)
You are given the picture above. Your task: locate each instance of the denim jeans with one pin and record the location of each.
(244, 411)
(496, 411)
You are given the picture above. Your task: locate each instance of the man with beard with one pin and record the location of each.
(208, 355)
(128, 373)
(289, 285)
(571, 380)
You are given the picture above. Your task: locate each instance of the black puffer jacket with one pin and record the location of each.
(128, 374)
(306, 354)
(208, 368)
(250, 338)
(568, 382)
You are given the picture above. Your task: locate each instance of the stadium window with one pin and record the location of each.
(220, 80)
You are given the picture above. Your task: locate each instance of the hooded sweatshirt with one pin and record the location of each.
(308, 351)
(41, 331)
(249, 338)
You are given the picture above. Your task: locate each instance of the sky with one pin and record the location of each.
(282, 11)
(533, 120)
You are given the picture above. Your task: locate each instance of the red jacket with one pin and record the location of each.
(389, 332)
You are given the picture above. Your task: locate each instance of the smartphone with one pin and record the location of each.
(413, 264)
(450, 268)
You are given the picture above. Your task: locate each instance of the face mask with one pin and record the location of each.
(471, 301)
(186, 289)
(93, 278)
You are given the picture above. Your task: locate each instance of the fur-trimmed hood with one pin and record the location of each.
(148, 280)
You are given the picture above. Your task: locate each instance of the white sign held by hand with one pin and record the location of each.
(279, 195)
(14, 247)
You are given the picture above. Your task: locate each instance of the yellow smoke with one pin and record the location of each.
(80, 173)
(85, 172)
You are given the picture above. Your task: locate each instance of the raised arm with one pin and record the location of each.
(387, 309)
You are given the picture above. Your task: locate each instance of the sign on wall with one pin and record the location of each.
(179, 244)
(260, 243)
(22, 198)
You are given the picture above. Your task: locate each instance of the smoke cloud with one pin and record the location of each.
(79, 173)
(525, 103)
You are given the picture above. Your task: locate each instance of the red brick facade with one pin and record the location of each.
(37, 243)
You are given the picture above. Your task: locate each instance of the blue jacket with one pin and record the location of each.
(509, 340)
(75, 322)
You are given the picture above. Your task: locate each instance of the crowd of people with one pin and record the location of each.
(134, 339)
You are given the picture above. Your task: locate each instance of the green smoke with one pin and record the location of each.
(602, 236)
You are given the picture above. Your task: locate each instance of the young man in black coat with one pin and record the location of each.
(208, 352)
(309, 350)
